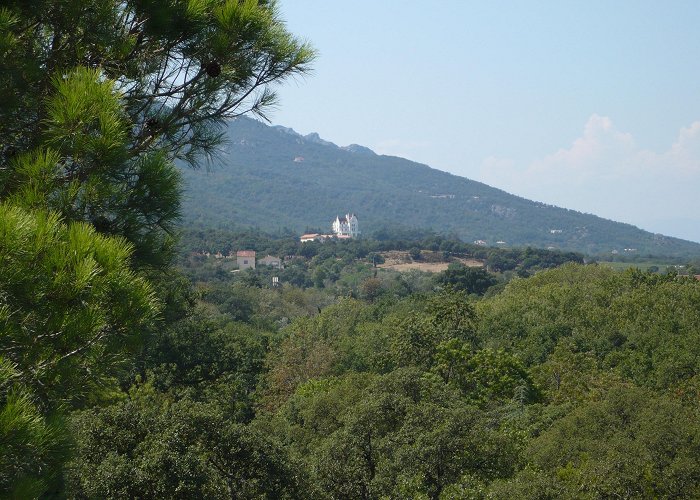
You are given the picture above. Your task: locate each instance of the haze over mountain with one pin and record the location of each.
(273, 178)
(528, 101)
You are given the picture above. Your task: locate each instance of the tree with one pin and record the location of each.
(468, 279)
(31, 444)
(149, 446)
(71, 313)
(204, 360)
(405, 432)
(417, 333)
(98, 99)
(631, 443)
(371, 288)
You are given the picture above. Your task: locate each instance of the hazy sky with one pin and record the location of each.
(590, 105)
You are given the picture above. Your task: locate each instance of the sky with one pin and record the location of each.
(589, 105)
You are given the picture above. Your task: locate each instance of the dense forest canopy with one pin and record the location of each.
(134, 365)
(577, 382)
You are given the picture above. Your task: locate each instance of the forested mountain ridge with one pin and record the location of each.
(275, 178)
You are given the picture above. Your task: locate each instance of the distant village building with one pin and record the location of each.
(305, 238)
(343, 228)
(245, 259)
(299, 159)
(268, 260)
(346, 227)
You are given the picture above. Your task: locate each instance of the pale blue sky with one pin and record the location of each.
(589, 105)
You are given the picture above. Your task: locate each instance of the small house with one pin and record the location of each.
(245, 259)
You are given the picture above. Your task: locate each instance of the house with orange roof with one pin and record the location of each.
(245, 259)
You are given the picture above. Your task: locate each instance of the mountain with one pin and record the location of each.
(273, 178)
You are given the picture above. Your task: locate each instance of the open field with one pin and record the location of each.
(644, 266)
(401, 261)
(430, 267)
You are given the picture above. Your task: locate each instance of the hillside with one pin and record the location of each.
(274, 178)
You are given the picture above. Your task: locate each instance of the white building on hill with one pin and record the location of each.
(346, 227)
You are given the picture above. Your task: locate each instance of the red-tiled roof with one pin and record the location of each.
(245, 253)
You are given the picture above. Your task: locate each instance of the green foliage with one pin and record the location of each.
(352, 336)
(572, 376)
(98, 99)
(352, 425)
(415, 336)
(31, 445)
(467, 279)
(71, 307)
(368, 437)
(72, 313)
(490, 375)
(84, 169)
(631, 443)
(205, 360)
(486, 375)
(533, 392)
(316, 347)
(626, 321)
(150, 446)
(452, 314)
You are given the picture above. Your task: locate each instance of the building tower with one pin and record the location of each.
(346, 226)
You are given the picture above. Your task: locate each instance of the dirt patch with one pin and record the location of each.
(429, 267)
(403, 263)
(395, 257)
(471, 262)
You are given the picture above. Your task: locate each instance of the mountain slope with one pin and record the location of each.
(274, 178)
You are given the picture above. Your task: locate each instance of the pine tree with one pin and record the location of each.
(98, 99)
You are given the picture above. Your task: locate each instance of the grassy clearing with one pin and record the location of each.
(644, 266)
